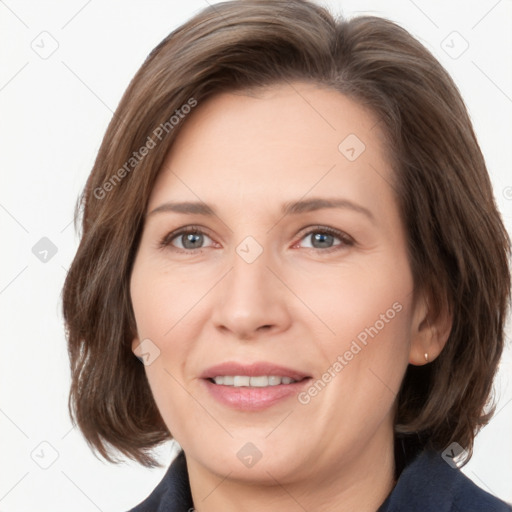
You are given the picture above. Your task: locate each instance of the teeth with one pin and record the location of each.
(274, 381)
(260, 381)
(241, 380)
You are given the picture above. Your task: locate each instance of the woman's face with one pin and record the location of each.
(272, 290)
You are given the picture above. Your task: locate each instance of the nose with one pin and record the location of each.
(250, 301)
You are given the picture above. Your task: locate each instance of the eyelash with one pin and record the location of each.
(345, 240)
(167, 239)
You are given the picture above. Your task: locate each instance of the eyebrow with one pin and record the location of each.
(313, 204)
(289, 208)
(190, 207)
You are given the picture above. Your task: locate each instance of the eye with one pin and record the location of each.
(187, 239)
(325, 238)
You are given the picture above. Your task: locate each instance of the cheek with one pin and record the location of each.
(166, 310)
(171, 398)
(163, 298)
(363, 302)
(368, 309)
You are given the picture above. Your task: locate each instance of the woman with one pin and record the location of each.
(291, 263)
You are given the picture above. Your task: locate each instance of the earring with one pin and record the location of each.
(426, 357)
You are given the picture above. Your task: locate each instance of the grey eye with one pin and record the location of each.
(191, 240)
(321, 240)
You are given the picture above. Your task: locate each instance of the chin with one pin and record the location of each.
(260, 460)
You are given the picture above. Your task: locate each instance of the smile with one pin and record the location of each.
(260, 381)
(253, 386)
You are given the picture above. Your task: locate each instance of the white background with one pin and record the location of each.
(54, 112)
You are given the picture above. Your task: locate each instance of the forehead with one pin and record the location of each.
(287, 139)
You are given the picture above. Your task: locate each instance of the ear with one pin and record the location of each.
(137, 348)
(429, 330)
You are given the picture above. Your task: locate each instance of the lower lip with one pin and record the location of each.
(253, 399)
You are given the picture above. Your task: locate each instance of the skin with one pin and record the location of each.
(297, 304)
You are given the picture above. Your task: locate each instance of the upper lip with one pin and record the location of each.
(252, 370)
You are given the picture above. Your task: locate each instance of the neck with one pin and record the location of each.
(361, 483)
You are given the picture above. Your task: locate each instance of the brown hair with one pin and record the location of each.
(457, 243)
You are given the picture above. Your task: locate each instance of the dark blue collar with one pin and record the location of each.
(428, 484)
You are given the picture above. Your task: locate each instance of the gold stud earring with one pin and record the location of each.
(426, 357)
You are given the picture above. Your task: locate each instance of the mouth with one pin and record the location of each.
(259, 381)
(253, 387)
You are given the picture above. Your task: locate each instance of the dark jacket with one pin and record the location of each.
(428, 484)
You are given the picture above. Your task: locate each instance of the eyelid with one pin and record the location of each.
(166, 240)
(345, 239)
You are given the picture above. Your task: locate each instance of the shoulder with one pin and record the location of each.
(430, 483)
(172, 494)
